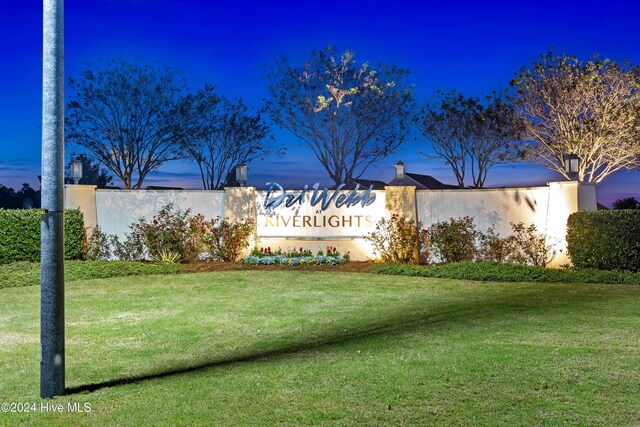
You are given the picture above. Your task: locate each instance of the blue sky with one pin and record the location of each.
(475, 47)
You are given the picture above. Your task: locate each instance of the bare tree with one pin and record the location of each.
(223, 134)
(469, 134)
(349, 115)
(497, 137)
(125, 115)
(591, 109)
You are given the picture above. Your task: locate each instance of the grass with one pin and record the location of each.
(310, 348)
(25, 273)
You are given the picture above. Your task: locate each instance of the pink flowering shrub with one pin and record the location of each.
(172, 231)
(454, 240)
(495, 248)
(399, 240)
(225, 240)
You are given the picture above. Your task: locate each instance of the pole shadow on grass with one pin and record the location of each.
(404, 319)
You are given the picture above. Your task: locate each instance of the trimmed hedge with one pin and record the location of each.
(20, 235)
(28, 273)
(604, 240)
(495, 272)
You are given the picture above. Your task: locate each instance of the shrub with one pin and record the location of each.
(532, 247)
(132, 248)
(171, 231)
(20, 235)
(494, 248)
(454, 240)
(98, 245)
(74, 234)
(399, 240)
(167, 256)
(495, 272)
(225, 240)
(604, 239)
(626, 203)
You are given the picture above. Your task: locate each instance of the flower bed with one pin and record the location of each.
(264, 256)
(299, 260)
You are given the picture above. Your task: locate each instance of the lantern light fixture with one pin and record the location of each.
(242, 173)
(571, 165)
(76, 171)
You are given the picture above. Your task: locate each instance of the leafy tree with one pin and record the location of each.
(28, 195)
(125, 114)
(8, 198)
(591, 109)
(350, 115)
(92, 173)
(626, 203)
(470, 134)
(221, 135)
(25, 197)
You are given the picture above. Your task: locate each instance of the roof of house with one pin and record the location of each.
(160, 187)
(422, 182)
(366, 183)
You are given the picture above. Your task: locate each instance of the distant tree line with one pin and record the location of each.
(26, 197)
(131, 117)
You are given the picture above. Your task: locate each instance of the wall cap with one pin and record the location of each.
(79, 186)
(399, 186)
(572, 183)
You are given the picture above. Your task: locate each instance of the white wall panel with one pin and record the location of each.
(116, 210)
(497, 207)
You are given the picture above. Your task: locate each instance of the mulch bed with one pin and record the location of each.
(350, 267)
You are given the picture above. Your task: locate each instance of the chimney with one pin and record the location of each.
(399, 171)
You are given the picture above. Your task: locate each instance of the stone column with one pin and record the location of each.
(240, 204)
(402, 202)
(82, 197)
(565, 198)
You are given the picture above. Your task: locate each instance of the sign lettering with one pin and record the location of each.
(272, 201)
(318, 213)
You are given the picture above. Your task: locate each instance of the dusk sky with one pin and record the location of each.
(475, 47)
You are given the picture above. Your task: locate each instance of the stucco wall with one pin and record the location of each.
(546, 207)
(117, 209)
(489, 207)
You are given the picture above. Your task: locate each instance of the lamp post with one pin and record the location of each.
(571, 165)
(52, 223)
(242, 173)
(76, 171)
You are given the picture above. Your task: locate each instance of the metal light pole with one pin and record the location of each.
(52, 234)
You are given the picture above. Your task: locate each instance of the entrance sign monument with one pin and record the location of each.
(314, 213)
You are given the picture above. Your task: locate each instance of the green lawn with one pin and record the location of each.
(309, 348)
